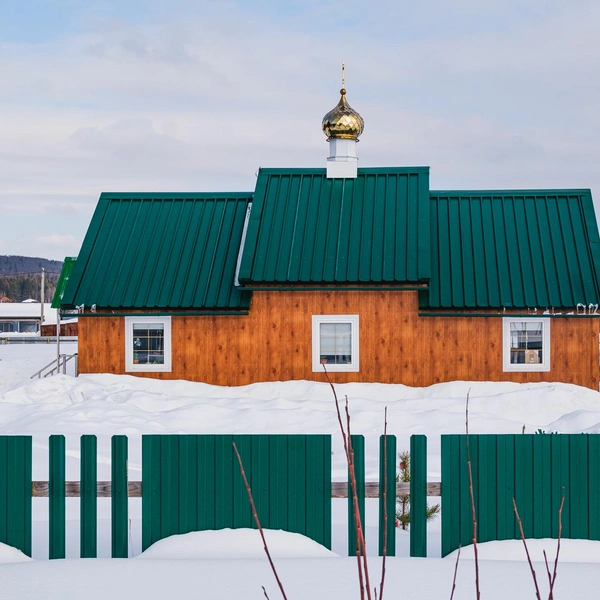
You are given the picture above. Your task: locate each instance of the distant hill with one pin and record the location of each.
(27, 265)
(20, 277)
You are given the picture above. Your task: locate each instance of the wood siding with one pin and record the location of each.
(69, 329)
(273, 343)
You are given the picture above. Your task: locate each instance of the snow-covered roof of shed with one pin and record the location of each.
(27, 310)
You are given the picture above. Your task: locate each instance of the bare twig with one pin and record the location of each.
(537, 589)
(455, 572)
(473, 515)
(360, 549)
(553, 580)
(548, 573)
(363, 580)
(385, 512)
(265, 592)
(257, 521)
(359, 531)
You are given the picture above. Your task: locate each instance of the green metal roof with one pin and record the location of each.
(63, 278)
(307, 229)
(513, 249)
(161, 251)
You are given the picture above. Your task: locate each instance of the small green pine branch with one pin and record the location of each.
(403, 502)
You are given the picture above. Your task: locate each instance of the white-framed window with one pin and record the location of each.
(526, 344)
(147, 344)
(335, 342)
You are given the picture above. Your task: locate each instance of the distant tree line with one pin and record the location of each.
(17, 289)
(20, 278)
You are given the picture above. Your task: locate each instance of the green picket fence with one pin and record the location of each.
(193, 482)
(535, 470)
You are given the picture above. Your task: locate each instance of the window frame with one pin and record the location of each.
(543, 366)
(353, 320)
(130, 367)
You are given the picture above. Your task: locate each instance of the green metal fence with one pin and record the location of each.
(15, 492)
(193, 483)
(533, 469)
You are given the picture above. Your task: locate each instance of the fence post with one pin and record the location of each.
(358, 448)
(418, 495)
(119, 497)
(15, 491)
(56, 497)
(88, 508)
(387, 455)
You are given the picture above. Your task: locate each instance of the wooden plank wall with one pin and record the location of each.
(273, 343)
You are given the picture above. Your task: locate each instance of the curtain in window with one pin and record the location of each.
(336, 343)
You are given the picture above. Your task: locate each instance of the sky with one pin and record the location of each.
(189, 95)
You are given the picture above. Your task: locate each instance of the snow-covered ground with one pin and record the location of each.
(107, 404)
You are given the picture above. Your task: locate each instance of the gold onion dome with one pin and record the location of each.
(343, 122)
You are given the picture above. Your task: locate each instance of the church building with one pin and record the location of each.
(366, 272)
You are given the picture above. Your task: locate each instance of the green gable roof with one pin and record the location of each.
(161, 251)
(513, 249)
(307, 229)
(63, 278)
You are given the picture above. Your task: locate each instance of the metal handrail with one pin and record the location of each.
(56, 364)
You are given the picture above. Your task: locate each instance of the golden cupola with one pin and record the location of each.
(343, 122)
(342, 126)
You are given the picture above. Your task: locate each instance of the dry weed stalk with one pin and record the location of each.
(551, 576)
(361, 550)
(553, 579)
(535, 583)
(472, 494)
(361, 547)
(385, 514)
(455, 572)
(257, 521)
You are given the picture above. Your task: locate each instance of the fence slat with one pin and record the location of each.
(15, 511)
(89, 508)
(57, 497)
(594, 487)
(119, 499)
(387, 456)
(358, 447)
(418, 495)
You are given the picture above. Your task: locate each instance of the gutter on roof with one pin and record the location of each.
(197, 313)
(528, 315)
(336, 288)
(513, 192)
(238, 265)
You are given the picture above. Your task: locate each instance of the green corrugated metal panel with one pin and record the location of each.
(88, 508)
(63, 279)
(193, 483)
(158, 251)
(119, 497)
(307, 229)
(57, 497)
(513, 249)
(418, 495)
(358, 449)
(533, 469)
(15, 492)
(387, 476)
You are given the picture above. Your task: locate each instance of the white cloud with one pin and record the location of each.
(489, 93)
(56, 240)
